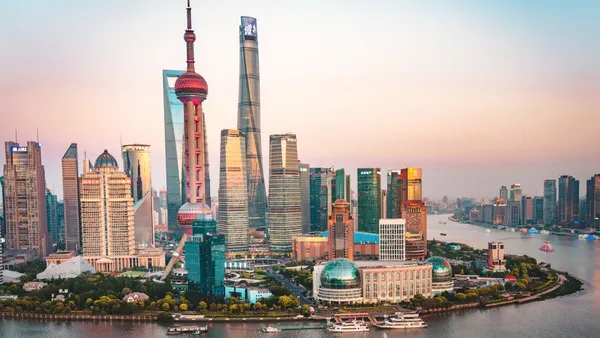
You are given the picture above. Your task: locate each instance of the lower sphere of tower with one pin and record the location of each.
(191, 86)
(190, 212)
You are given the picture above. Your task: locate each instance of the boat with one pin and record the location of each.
(270, 329)
(545, 232)
(523, 230)
(443, 234)
(513, 230)
(546, 247)
(350, 326)
(193, 329)
(403, 321)
(591, 237)
(533, 231)
(445, 223)
(488, 231)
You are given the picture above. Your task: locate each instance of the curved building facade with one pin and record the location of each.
(441, 275)
(233, 191)
(249, 120)
(340, 282)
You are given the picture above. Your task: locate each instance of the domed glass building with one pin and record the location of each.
(106, 160)
(441, 275)
(340, 282)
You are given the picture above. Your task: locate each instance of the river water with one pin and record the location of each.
(576, 315)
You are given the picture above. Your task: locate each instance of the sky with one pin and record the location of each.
(477, 93)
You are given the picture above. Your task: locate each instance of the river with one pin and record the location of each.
(571, 316)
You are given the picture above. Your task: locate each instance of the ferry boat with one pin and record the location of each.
(403, 321)
(350, 326)
(524, 230)
(545, 232)
(533, 231)
(270, 329)
(487, 231)
(443, 234)
(546, 247)
(193, 329)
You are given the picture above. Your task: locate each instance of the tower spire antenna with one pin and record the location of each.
(189, 38)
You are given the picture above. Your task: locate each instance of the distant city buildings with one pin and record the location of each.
(107, 216)
(504, 193)
(25, 199)
(369, 199)
(71, 195)
(285, 214)
(52, 216)
(249, 120)
(593, 201)
(233, 192)
(550, 206)
(568, 200)
(341, 231)
(515, 192)
(391, 239)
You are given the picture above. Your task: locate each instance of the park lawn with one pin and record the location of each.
(259, 276)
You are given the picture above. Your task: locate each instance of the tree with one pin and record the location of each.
(183, 307)
(213, 307)
(257, 306)
(202, 306)
(165, 307)
(520, 285)
(461, 297)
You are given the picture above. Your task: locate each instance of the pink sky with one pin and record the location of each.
(477, 94)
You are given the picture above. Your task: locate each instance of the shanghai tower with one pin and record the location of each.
(249, 121)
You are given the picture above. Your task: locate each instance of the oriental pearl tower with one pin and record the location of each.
(191, 90)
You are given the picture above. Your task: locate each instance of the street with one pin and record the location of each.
(297, 291)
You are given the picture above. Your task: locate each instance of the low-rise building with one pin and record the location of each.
(11, 276)
(60, 257)
(150, 258)
(33, 286)
(496, 261)
(314, 247)
(250, 294)
(69, 269)
(136, 297)
(12, 259)
(342, 281)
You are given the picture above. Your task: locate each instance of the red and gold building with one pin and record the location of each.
(415, 214)
(340, 242)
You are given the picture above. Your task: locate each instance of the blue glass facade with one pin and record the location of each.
(205, 262)
(173, 109)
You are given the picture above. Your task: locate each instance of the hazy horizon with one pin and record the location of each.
(478, 94)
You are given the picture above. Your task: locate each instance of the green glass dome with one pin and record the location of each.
(340, 273)
(106, 160)
(442, 270)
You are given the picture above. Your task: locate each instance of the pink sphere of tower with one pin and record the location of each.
(191, 86)
(190, 212)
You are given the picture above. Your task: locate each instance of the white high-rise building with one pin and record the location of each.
(107, 217)
(391, 239)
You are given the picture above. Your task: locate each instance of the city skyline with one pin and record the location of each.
(508, 73)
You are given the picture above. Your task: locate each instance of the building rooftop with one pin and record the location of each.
(388, 264)
(106, 160)
(362, 237)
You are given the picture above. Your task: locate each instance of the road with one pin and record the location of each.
(297, 291)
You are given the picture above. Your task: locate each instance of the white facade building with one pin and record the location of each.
(391, 239)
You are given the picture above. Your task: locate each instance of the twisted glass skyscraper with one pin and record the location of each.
(249, 120)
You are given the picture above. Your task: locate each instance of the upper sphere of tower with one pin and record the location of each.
(189, 36)
(191, 86)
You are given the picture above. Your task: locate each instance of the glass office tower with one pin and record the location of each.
(369, 199)
(285, 214)
(550, 214)
(249, 120)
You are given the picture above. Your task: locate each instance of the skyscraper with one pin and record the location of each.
(305, 195)
(342, 189)
(70, 181)
(513, 213)
(341, 231)
(249, 120)
(592, 194)
(205, 262)
(504, 193)
(515, 192)
(391, 239)
(411, 188)
(415, 244)
(527, 209)
(284, 193)
(52, 216)
(550, 213)
(24, 197)
(394, 184)
(369, 199)
(383, 204)
(174, 129)
(538, 210)
(233, 192)
(321, 192)
(107, 219)
(191, 89)
(136, 164)
(568, 200)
